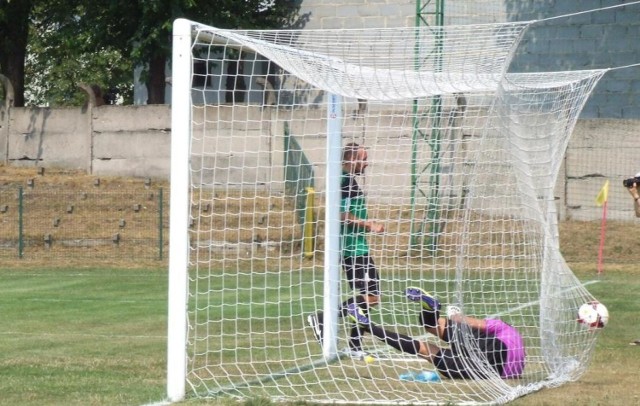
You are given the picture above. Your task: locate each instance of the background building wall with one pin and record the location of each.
(136, 141)
(604, 39)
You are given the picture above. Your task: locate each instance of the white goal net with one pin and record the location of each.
(463, 159)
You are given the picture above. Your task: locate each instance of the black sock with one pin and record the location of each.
(400, 342)
(355, 338)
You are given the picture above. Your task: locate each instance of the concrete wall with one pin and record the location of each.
(332, 14)
(135, 141)
(338, 14)
(102, 140)
(599, 149)
(54, 137)
(131, 140)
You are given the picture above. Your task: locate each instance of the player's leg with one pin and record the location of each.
(428, 301)
(363, 278)
(450, 364)
(316, 322)
(447, 361)
(400, 342)
(430, 315)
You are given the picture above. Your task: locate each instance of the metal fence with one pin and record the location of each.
(58, 222)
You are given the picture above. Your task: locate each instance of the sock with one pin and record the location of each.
(355, 338)
(400, 342)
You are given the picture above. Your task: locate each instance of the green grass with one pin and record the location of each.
(94, 336)
(82, 336)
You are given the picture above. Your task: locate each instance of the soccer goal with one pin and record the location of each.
(461, 154)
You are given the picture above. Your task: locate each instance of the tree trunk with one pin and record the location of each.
(156, 83)
(14, 33)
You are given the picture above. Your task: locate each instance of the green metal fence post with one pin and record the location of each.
(160, 224)
(20, 236)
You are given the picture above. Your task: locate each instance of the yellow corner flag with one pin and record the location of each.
(603, 194)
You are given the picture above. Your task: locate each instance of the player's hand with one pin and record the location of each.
(375, 227)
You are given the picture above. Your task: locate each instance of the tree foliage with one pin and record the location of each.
(66, 50)
(68, 42)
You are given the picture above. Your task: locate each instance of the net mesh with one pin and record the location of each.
(463, 163)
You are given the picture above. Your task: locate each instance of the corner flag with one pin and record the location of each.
(603, 195)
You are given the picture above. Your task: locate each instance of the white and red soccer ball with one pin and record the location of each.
(593, 314)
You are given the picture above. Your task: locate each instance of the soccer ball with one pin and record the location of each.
(593, 314)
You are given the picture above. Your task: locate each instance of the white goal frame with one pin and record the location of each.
(179, 217)
(506, 140)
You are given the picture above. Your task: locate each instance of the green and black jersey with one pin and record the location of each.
(353, 241)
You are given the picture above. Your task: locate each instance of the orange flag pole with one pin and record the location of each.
(603, 227)
(601, 200)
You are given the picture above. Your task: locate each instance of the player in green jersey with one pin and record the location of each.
(357, 263)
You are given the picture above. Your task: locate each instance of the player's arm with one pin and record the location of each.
(480, 324)
(633, 190)
(368, 225)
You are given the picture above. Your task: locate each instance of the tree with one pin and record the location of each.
(71, 44)
(47, 50)
(73, 41)
(14, 33)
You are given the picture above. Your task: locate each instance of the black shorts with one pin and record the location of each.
(456, 362)
(362, 275)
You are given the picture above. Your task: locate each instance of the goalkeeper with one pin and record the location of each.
(497, 342)
(358, 265)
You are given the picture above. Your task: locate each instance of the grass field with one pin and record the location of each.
(82, 336)
(96, 336)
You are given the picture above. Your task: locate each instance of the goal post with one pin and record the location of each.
(240, 288)
(182, 63)
(331, 290)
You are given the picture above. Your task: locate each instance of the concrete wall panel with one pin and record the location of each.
(245, 146)
(58, 137)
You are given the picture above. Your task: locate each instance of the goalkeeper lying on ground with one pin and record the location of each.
(498, 342)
